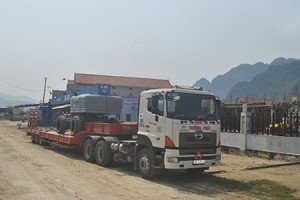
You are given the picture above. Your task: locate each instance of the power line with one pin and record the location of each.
(19, 86)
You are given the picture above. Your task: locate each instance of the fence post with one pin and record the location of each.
(297, 124)
(245, 127)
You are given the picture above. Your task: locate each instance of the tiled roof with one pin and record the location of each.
(121, 81)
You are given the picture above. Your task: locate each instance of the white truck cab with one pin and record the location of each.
(178, 128)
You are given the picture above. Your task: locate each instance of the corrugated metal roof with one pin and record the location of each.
(121, 81)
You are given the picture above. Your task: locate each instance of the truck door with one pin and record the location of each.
(154, 119)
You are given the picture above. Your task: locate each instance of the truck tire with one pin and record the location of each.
(42, 143)
(37, 139)
(145, 163)
(103, 154)
(61, 124)
(77, 125)
(32, 138)
(89, 150)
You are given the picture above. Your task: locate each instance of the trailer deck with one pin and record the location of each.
(91, 129)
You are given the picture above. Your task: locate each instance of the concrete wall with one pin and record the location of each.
(274, 144)
(231, 139)
(277, 144)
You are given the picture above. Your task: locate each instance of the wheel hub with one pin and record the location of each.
(144, 163)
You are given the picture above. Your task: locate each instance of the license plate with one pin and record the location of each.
(198, 162)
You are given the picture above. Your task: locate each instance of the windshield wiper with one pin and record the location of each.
(179, 116)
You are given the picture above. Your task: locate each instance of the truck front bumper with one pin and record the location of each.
(172, 160)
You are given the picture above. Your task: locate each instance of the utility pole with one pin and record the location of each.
(44, 90)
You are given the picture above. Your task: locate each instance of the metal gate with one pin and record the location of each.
(230, 116)
(281, 119)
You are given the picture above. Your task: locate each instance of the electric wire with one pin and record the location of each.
(21, 88)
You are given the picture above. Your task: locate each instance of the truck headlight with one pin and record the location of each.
(172, 160)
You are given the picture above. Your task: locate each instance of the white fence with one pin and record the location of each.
(265, 143)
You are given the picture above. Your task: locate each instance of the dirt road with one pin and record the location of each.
(29, 171)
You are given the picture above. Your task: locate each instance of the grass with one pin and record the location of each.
(212, 186)
(265, 189)
(261, 189)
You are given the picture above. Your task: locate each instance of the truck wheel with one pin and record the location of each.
(77, 125)
(89, 150)
(41, 142)
(37, 139)
(32, 138)
(61, 124)
(145, 164)
(103, 154)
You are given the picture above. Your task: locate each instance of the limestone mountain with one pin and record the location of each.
(222, 84)
(280, 81)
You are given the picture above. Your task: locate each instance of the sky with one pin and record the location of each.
(178, 40)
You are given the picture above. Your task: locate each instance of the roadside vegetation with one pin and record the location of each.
(265, 189)
(261, 189)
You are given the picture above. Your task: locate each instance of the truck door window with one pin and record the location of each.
(156, 105)
(149, 105)
(160, 102)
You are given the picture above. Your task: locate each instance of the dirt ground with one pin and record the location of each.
(30, 171)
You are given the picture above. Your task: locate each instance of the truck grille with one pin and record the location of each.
(188, 144)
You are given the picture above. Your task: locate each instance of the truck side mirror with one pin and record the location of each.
(218, 103)
(156, 118)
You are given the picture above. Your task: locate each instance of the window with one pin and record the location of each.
(160, 103)
(156, 105)
(191, 106)
(128, 117)
(149, 105)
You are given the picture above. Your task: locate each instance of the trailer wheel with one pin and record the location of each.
(103, 154)
(77, 125)
(61, 124)
(89, 150)
(145, 163)
(32, 138)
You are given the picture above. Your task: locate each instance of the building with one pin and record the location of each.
(120, 86)
(127, 87)
(58, 93)
(255, 100)
(3, 112)
(295, 99)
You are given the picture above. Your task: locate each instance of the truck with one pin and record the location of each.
(178, 128)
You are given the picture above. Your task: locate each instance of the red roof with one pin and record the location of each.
(92, 79)
(70, 81)
(255, 100)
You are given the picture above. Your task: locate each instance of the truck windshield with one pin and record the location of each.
(191, 106)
